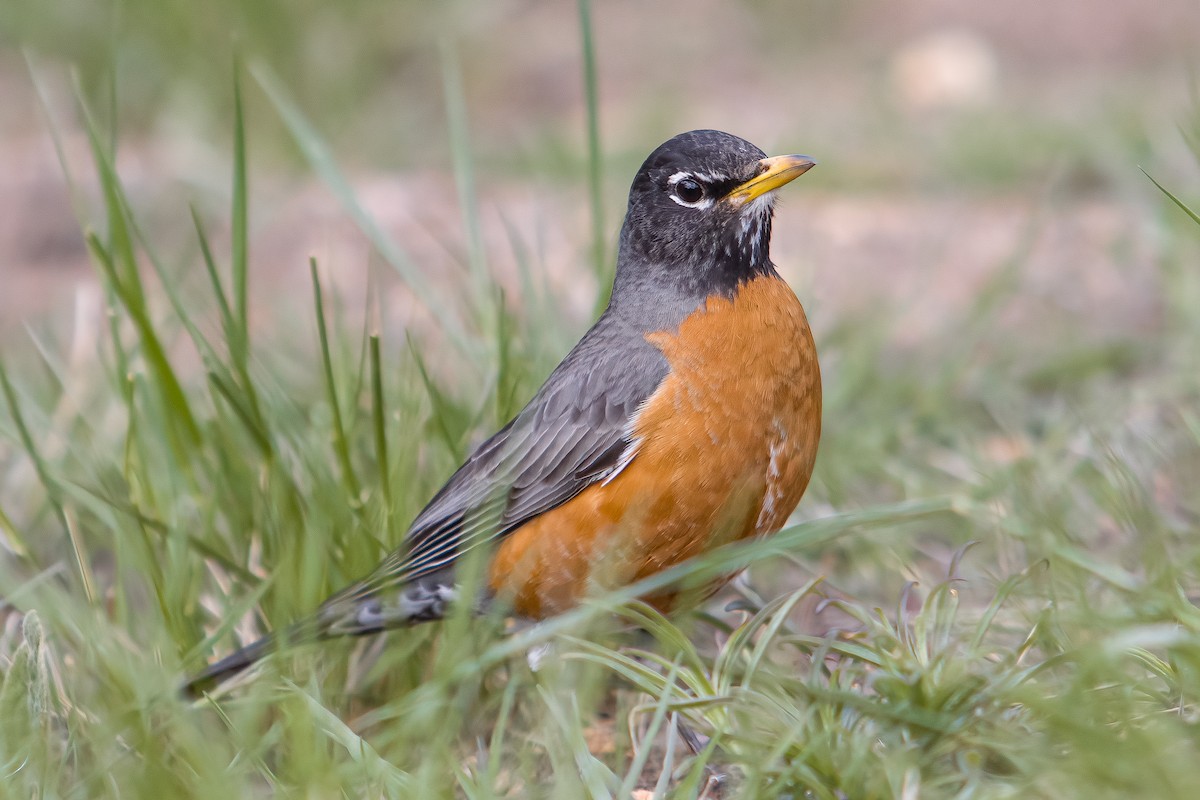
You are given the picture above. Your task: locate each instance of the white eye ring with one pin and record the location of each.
(688, 183)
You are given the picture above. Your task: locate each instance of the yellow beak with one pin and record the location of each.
(774, 172)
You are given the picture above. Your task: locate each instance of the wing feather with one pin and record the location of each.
(575, 432)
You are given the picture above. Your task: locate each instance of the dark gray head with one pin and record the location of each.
(699, 217)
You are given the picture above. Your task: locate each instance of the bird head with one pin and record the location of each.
(700, 210)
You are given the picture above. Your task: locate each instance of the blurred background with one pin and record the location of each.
(953, 138)
(1005, 307)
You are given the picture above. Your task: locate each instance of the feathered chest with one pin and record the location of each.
(722, 449)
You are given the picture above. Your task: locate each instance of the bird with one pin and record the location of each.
(688, 416)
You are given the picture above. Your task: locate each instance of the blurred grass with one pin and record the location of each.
(998, 565)
(308, 41)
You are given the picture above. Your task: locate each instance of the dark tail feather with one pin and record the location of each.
(356, 611)
(214, 675)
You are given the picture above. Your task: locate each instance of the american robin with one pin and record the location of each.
(688, 416)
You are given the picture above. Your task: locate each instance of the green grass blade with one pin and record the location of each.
(508, 375)
(240, 260)
(78, 203)
(120, 239)
(464, 178)
(675, 641)
(595, 165)
(395, 782)
(183, 310)
(1183, 206)
(449, 419)
(234, 612)
(244, 412)
(379, 425)
(82, 561)
(341, 445)
(29, 443)
(228, 321)
(166, 382)
(322, 161)
(642, 754)
(236, 342)
(775, 618)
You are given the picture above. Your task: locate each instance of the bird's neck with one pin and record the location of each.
(647, 268)
(745, 254)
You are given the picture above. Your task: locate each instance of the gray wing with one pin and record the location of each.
(574, 432)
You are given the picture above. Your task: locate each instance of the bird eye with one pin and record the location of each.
(689, 191)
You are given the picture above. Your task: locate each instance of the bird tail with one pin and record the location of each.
(355, 611)
(238, 661)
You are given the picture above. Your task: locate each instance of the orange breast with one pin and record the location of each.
(725, 449)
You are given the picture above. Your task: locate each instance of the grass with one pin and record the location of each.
(990, 590)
